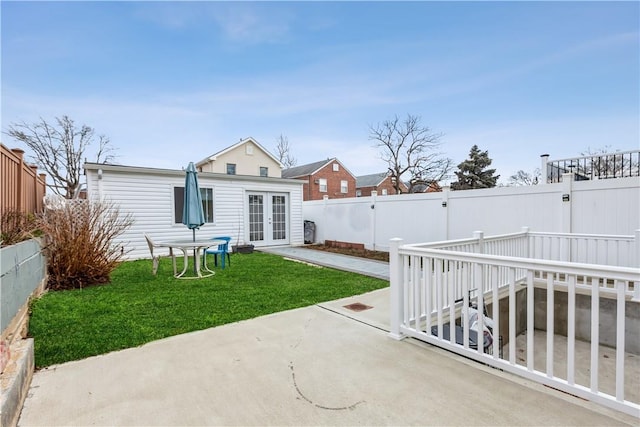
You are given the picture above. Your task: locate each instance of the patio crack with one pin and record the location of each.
(319, 406)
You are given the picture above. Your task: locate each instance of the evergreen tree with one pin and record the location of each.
(473, 172)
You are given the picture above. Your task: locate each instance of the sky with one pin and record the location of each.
(174, 82)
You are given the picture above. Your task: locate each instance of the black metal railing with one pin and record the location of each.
(621, 164)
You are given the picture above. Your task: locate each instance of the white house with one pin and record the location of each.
(262, 211)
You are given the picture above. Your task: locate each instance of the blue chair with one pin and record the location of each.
(222, 250)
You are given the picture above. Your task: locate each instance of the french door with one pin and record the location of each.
(268, 218)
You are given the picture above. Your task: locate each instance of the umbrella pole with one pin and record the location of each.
(195, 267)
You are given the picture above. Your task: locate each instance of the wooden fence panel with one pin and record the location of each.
(22, 188)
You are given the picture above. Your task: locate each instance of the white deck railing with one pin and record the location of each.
(433, 285)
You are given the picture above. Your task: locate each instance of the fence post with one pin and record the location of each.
(636, 263)
(325, 199)
(544, 175)
(374, 197)
(396, 287)
(445, 203)
(479, 235)
(636, 241)
(19, 179)
(527, 243)
(567, 179)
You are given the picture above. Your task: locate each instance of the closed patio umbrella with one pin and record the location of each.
(192, 213)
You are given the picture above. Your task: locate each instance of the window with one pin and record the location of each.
(231, 168)
(344, 186)
(358, 193)
(178, 203)
(336, 167)
(264, 171)
(384, 192)
(323, 185)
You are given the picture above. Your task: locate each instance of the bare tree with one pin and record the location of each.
(283, 151)
(521, 178)
(60, 149)
(407, 147)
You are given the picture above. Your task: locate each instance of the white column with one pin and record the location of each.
(636, 259)
(374, 197)
(396, 282)
(445, 206)
(321, 237)
(635, 262)
(480, 236)
(527, 243)
(566, 196)
(544, 159)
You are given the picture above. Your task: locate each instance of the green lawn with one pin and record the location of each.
(137, 307)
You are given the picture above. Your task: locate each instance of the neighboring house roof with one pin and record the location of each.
(309, 168)
(372, 180)
(214, 156)
(425, 187)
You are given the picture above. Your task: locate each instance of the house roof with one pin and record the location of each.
(310, 168)
(304, 170)
(214, 156)
(423, 187)
(372, 180)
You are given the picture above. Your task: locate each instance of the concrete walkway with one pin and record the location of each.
(367, 267)
(319, 365)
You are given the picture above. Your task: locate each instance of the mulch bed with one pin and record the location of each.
(363, 253)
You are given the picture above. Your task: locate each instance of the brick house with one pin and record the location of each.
(380, 182)
(324, 178)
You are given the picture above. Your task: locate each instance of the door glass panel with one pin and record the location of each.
(256, 217)
(279, 212)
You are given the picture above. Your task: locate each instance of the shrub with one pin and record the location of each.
(79, 242)
(16, 226)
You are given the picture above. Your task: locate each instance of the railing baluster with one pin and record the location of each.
(595, 332)
(426, 269)
(620, 330)
(571, 329)
(495, 304)
(405, 294)
(452, 300)
(550, 324)
(512, 316)
(416, 291)
(479, 284)
(439, 299)
(465, 305)
(530, 325)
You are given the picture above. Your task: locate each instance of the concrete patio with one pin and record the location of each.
(319, 365)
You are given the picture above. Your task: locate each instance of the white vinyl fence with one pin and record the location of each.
(606, 207)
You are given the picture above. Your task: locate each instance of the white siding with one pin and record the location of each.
(147, 194)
